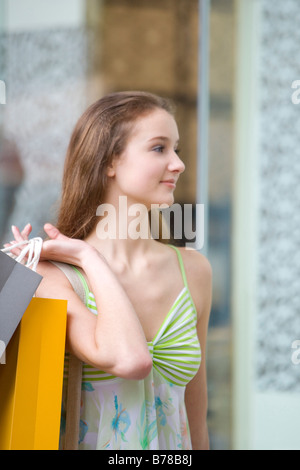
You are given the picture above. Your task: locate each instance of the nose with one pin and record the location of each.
(176, 164)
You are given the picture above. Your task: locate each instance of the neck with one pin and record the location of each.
(122, 232)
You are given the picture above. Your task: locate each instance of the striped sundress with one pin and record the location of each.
(120, 414)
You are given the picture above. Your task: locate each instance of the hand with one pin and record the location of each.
(19, 237)
(64, 249)
(58, 248)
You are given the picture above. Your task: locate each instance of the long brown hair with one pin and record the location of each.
(99, 136)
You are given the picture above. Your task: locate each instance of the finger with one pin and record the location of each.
(53, 232)
(26, 231)
(16, 233)
(8, 244)
(14, 251)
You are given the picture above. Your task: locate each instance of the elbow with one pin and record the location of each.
(143, 368)
(135, 368)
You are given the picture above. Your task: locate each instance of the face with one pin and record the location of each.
(149, 168)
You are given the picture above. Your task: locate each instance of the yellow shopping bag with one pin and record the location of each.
(31, 379)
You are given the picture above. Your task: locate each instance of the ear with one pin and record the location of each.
(110, 171)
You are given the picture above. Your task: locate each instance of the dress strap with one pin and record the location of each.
(83, 283)
(182, 269)
(76, 279)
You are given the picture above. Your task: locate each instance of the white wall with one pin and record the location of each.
(266, 399)
(244, 240)
(276, 421)
(29, 15)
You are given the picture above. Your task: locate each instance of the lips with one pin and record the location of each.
(170, 182)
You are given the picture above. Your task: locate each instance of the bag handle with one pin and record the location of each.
(75, 371)
(31, 249)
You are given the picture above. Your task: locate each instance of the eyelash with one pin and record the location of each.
(161, 148)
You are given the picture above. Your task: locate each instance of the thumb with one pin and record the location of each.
(53, 232)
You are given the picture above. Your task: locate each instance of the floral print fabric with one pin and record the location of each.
(121, 414)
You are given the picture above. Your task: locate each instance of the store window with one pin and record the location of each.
(58, 57)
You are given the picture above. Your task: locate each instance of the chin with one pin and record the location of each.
(165, 202)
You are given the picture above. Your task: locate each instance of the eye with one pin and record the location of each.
(177, 151)
(159, 149)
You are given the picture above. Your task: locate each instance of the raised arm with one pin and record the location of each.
(113, 340)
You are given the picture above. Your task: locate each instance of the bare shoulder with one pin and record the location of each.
(197, 266)
(53, 281)
(49, 270)
(199, 277)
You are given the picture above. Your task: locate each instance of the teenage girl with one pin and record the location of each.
(142, 333)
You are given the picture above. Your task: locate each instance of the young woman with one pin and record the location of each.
(139, 336)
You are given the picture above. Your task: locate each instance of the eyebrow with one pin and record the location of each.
(161, 137)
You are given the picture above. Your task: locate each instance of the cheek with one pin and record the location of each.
(141, 175)
(152, 175)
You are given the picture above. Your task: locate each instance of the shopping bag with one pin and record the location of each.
(75, 365)
(31, 381)
(18, 283)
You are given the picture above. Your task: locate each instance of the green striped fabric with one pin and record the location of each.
(91, 303)
(89, 373)
(175, 349)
